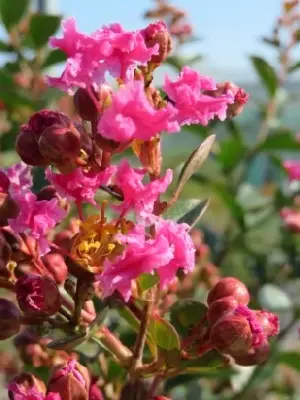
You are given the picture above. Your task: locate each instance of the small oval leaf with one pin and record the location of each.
(163, 334)
(187, 313)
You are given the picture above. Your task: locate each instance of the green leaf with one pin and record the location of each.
(176, 62)
(163, 334)
(181, 208)
(266, 73)
(232, 204)
(90, 349)
(294, 67)
(42, 27)
(208, 361)
(54, 57)
(147, 281)
(290, 358)
(5, 47)
(282, 139)
(40, 372)
(12, 12)
(232, 151)
(193, 163)
(186, 313)
(68, 343)
(193, 217)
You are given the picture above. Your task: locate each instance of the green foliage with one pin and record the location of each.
(266, 73)
(42, 27)
(186, 313)
(12, 13)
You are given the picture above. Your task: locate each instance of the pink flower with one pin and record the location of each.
(24, 387)
(36, 217)
(192, 105)
(78, 185)
(15, 178)
(170, 249)
(137, 195)
(291, 219)
(109, 49)
(141, 256)
(183, 249)
(131, 116)
(293, 169)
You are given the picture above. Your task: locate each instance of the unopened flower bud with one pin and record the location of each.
(43, 119)
(10, 319)
(157, 34)
(19, 251)
(64, 239)
(55, 264)
(229, 287)
(89, 108)
(219, 308)
(8, 209)
(255, 356)
(46, 193)
(28, 149)
(38, 295)
(231, 335)
(5, 253)
(4, 182)
(59, 143)
(70, 378)
(26, 386)
(95, 392)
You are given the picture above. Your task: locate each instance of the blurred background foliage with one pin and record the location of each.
(243, 178)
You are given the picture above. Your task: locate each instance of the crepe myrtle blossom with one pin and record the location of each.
(34, 217)
(131, 116)
(192, 104)
(170, 249)
(139, 196)
(292, 168)
(78, 185)
(109, 49)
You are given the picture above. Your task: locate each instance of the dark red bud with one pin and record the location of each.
(231, 335)
(87, 108)
(110, 145)
(46, 193)
(43, 119)
(64, 239)
(255, 356)
(8, 209)
(28, 149)
(26, 386)
(19, 251)
(157, 33)
(219, 308)
(59, 143)
(5, 255)
(10, 319)
(4, 182)
(229, 287)
(38, 295)
(55, 263)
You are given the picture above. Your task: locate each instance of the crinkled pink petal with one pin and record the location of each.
(293, 169)
(16, 178)
(192, 105)
(257, 330)
(36, 218)
(139, 196)
(183, 249)
(89, 57)
(22, 393)
(140, 256)
(78, 185)
(130, 116)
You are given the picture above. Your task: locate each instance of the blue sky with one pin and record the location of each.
(230, 29)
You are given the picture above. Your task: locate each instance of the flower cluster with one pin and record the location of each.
(55, 270)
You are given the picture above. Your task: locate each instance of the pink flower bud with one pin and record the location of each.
(219, 308)
(268, 321)
(26, 386)
(45, 118)
(231, 335)
(157, 34)
(95, 392)
(70, 378)
(28, 149)
(229, 287)
(10, 319)
(64, 239)
(8, 209)
(55, 263)
(38, 295)
(58, 143)
(255, 356)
